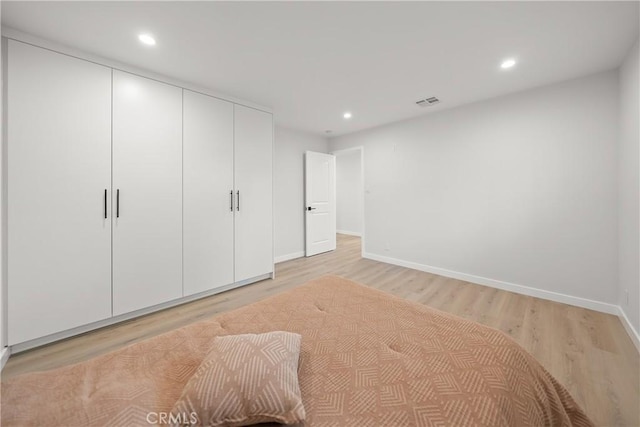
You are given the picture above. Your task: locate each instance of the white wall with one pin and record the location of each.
(290, 146)
(629, 189)
(517, 190)
(3, 287)
(349, 192)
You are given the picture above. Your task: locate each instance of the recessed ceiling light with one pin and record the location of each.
(147, 39)
(347, 115)
(508, 63)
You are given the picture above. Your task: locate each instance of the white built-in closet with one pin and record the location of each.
(146, 192)
(126, 194)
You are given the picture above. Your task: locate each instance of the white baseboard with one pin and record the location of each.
(4, 356)
(633, 334)
(287, 257)
(512, 287)
(349, 233)
(520, 289)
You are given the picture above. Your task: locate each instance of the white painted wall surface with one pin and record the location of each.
(290, 146)
(2, 204)
(349, 192)
(519, 189)
(4, 352)
(629, 189)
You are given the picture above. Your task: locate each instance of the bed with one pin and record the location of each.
(367, 359)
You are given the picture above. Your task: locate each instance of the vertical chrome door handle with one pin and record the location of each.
(105, 203)
(231, 200)
(238, 202)
(118, 203)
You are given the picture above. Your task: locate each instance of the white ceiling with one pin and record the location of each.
(312, 61)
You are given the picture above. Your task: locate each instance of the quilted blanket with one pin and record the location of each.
(367, 359)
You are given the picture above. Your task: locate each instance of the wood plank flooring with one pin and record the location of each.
(587, 351)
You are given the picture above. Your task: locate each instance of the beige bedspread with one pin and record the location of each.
(368, 359)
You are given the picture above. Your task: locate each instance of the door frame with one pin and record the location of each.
(363, 192)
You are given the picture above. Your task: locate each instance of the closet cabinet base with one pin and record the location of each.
(28, 345)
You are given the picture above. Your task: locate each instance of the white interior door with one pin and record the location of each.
(253, 147)
(320, 197)
(59, 178)
(208, 193)
(147, 182)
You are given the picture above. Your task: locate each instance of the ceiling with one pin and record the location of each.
(312, 61)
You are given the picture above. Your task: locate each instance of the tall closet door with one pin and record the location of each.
(59, 178)
(208, 198)
(254, 189)
(147, 187)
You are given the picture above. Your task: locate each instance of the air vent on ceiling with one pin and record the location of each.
(427, 102)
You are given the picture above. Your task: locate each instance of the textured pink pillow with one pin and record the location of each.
(244, 380)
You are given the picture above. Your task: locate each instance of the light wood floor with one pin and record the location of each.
(589, 352)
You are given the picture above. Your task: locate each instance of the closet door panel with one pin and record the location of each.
(147, 192)
(208, 181)
(59, 167)
(253, 181)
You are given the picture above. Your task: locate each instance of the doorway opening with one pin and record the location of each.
(350, 193)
